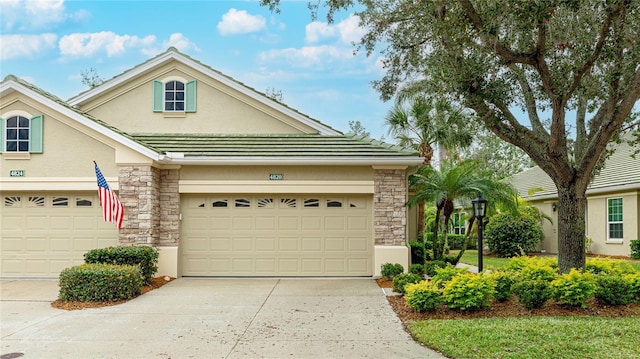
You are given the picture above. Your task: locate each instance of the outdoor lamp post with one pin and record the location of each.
(479, 211)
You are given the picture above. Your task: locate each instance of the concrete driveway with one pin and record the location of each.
(210, 318)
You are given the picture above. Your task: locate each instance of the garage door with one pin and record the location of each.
(43, 233)
(276, 235)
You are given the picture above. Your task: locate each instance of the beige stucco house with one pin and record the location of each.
(219, 177)
(613, 203)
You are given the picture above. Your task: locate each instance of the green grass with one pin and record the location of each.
(534, 337)
(470, 256)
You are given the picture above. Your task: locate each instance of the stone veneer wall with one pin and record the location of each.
(169, 208)
(389, 206)
(140, 195)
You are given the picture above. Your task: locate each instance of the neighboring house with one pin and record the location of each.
(222, 179)
(613, 203)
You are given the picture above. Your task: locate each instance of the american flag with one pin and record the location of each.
(112, 208)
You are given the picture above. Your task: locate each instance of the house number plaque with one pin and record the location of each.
(275, 177)
(16, 173)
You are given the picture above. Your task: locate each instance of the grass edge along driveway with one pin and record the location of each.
(533, 337)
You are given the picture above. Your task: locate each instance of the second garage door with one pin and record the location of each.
(276, 235)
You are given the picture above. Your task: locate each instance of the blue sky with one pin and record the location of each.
(50, 43)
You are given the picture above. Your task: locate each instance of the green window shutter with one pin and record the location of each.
(35, 134)
(158, 96)
(190, 97)
(2, 144)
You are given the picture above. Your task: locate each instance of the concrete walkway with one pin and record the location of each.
(211, 318)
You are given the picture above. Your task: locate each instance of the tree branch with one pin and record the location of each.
(530, 102)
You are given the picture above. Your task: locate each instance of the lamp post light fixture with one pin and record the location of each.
(479, 211)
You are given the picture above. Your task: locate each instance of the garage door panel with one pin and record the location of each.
(278, 235)
(43, 234)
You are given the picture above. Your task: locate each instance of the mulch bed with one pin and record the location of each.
(75, 305)
(509, 308)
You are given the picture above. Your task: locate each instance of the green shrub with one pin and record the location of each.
(390, 270)
(508, 235)
(469, 292)
(96, 282)
(517, 263)
(504, 281)
(401, 280)
(416, 269)
(538, 273)
(145, 257)
(635, 248)
(423, 296)
(574, 288)
(614, 289)
(532, 293)
(607, 266)
(445, 274)
(417, 252)
(431, 267)
(634, 281)
(454, 241)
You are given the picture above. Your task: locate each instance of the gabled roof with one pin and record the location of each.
(12, 84)
(275, 149)
(172, 54)
(620, 172)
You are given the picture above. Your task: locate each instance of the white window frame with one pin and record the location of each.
(620, 222)
(461, 227)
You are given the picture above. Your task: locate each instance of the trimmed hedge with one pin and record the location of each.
(96, 282)
(635, 248)
(145, 257)
(510, 235)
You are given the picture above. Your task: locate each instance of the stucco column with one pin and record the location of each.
(140, 195)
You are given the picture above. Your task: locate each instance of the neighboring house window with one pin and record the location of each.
(614, 219)
(19, 133)
(458, 223)
(174, 96)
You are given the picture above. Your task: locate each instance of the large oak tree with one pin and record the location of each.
(571, 66)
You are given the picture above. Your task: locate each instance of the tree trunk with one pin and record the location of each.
(571, 228)
(421, 225)
(437, 253)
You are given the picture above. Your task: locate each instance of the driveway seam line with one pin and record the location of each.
(252, 319)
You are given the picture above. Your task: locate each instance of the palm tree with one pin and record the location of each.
(455, 182)
(420, 124)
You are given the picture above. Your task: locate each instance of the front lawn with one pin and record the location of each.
(533, 337)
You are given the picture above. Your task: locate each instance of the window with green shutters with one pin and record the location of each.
(458, 223)
(614, 219)
(21, 134)
(174, 96)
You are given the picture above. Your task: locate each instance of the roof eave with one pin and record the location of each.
(294, 161)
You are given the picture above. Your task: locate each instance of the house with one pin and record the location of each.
(223, 180)
(613, 203)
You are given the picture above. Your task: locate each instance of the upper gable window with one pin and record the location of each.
(20, 133)
(174, 95)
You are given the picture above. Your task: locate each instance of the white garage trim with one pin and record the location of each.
(195, 186)
(33, 184)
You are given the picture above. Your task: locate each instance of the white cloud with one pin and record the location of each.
(348, 30)
(240, 22)
(21, 46)
(88, 44)
(177, 40)
(30, 15)
(307, 56)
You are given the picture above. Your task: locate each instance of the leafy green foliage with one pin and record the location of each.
(538, 272)
(504, 281)
(145, 257)
(401, 280)
(417, 252)
(508, 235)
(445, 274)
(635, 248)
(390, 270)
(469, 292)
(431, 266)
(518, 263)
(614, 289)
(574, 288)
(97, 282)
(634, 281)
(608, 266)
(454, 241)
(423, 296)
(416, 269)
(532, 294)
